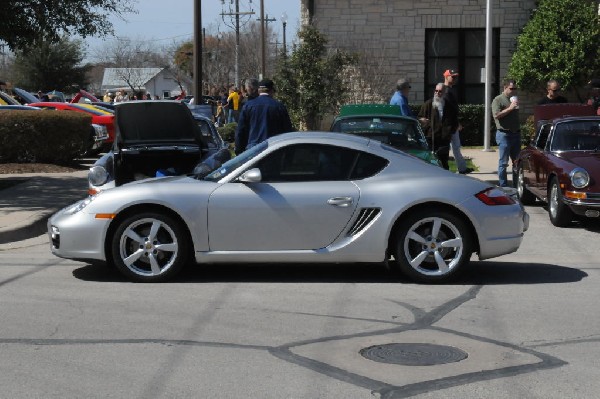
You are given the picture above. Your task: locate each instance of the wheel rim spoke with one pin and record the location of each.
(453, 243)
(416, 262)
(170, 247)
(133, 235)
(154, 264)
(416, 237)
(133, 257)
(437, 223)
(154, 229)
(441, 263)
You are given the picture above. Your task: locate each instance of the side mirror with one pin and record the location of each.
(251, 176)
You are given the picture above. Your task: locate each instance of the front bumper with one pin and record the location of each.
(78, 235)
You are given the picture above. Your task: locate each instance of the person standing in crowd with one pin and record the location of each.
(251, 89)
(233, 104)
(508, 131)
(261, 118)
(594, 94)
(400, 97)
(431, 115)
(552, 96)
(106, 97)
(451, 122)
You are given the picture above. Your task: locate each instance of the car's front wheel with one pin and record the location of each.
(432, 246)
(149, 247)
(560, 214)
(525, 196)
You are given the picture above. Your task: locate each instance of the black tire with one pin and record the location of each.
(426, 256)
(525, 196)
(560, 214)
(149, 247)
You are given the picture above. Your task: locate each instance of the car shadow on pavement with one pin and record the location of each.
(478, 273)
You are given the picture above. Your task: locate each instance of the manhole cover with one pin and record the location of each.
(414, 354)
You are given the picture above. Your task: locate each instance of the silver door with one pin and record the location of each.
(279, 216)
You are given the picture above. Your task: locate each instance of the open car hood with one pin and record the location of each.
(155, 123)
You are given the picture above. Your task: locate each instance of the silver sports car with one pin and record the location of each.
(298, 197)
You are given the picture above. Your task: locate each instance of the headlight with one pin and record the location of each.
(579, 178)
(78, 206)
(97, 175)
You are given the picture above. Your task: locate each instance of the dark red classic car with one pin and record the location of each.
(561, 166)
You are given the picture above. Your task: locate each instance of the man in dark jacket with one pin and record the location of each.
(261, 118)
(430, 116)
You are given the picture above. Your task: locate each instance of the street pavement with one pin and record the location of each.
(26, 206)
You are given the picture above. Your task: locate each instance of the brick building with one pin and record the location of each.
(421, 39)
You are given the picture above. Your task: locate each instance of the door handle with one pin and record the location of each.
(342, 202)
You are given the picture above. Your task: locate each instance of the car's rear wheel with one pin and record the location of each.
(149, 247)
(525, 196)
(560, 214)
(432, 246)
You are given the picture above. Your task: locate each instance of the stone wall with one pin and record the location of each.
(395, 30)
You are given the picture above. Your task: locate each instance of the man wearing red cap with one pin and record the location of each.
(450, 120)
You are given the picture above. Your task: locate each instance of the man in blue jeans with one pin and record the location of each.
(508, 132)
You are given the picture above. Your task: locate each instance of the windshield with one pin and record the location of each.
(400, 133)
(236, 162)
(577, 136)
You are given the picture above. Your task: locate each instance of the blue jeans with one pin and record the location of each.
(509, 145)
(461, 165)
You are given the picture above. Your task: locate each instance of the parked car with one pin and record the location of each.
(18, 108)
(561, 166)
(99, 117)
(385, 123)
(297, 197)
(6, 99)
(154, 138)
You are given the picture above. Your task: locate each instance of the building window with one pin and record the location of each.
(463, 50)
(166, 94)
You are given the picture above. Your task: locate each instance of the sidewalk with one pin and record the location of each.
(26, 206)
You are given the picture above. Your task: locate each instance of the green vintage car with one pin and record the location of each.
(385, 123)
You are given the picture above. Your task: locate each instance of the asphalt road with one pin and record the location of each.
(527, 323)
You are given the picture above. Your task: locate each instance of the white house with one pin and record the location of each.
(155, 81)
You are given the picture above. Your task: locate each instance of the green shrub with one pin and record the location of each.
(227, 132)
(42, 136)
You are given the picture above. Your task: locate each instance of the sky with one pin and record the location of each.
(166, 21)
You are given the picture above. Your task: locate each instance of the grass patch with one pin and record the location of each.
(469, 161)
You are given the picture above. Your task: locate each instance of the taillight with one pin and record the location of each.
(495, 196)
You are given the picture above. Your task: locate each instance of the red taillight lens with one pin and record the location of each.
(495, 196)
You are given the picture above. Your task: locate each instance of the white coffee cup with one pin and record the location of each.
(515, 99)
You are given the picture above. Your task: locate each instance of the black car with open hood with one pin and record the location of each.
(155, 138)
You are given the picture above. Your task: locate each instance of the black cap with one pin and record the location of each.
(266, 84)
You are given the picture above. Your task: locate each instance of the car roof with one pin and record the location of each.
(370, 109)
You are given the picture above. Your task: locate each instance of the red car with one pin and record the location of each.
(561, 166)
(99, 116)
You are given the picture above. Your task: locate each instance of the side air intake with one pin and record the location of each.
(366, 216)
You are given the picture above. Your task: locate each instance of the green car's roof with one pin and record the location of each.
(370, 109)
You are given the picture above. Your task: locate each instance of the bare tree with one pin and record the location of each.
(369, 78)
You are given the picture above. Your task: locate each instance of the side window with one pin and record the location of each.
(314, 162)
(542, 137)
(367, 165)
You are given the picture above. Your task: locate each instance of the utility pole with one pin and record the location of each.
(197, 89)
(264, 25)
(236, 17)
(263, 57)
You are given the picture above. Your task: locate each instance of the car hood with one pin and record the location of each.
(155, 122)
(26, 96)
(588, 160)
